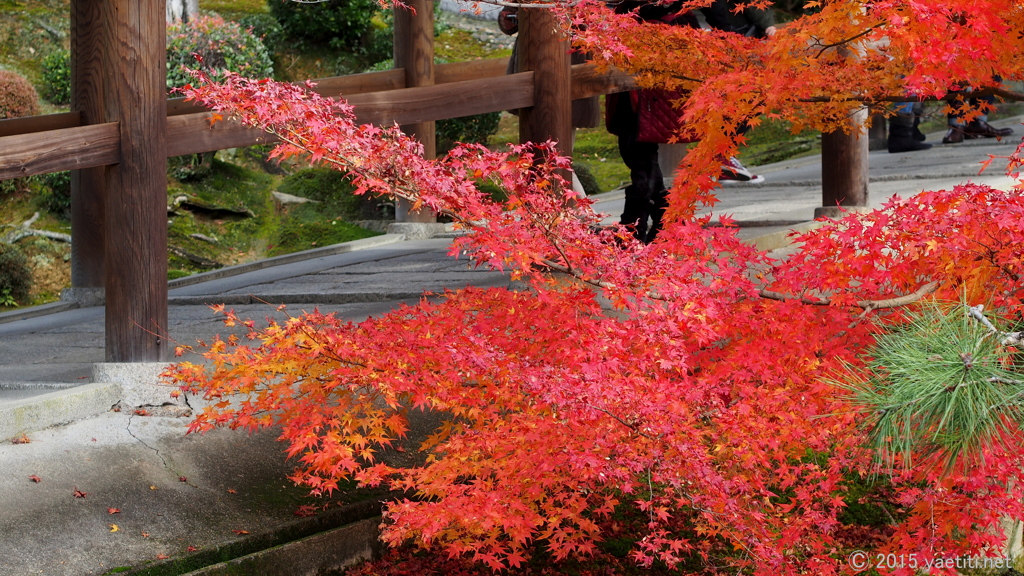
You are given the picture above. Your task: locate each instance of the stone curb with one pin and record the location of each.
(311, 556)
(36, 311)
(293, 298)
(362, 244)
(289, 549)
(45, 410)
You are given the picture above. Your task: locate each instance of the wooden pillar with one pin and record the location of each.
(844, 167)
(134, 91)
(414, 51)
(544, 49)
(87, 186)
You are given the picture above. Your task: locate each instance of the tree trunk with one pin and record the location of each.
(182, 10)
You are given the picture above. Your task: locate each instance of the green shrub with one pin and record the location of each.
(343, 21)
(586, 178)
(55, 193)
(15, 276)
(57, 77)
(266, 28)
(17, 96)
(222, 46)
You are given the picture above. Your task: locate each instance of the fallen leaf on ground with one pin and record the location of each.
(35, 479)
(145, 534)
(240, 532)
(153, 488)
(23, 439)
(182, 479)
(306, 510)
(162, 556)
(79, 493)
(141, 412)
(113, 510)
(114, 528)
(232, 491)
(192, 548)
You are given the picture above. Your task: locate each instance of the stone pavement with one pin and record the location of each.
(202, 499)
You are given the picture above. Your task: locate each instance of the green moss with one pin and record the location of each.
(306, 229)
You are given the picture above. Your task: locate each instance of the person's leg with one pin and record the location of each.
(647, 187)
(979, 127)
(902, 130)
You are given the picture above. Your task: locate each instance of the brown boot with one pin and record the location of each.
(979, 128)
(954, 135)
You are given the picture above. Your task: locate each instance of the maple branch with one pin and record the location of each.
(867, 305)
(865, 32)
(632, 427)
(1003, 93)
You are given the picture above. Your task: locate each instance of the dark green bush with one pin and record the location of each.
(17, 96)
(344, 21)
(586, 178)
(222, 45)
(265, 27)
(474, 129)
(57, 77)
(55, 193)
(15, 275)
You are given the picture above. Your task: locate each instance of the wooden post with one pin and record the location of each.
(545, 50)
(87, 186)
(414, 51)
(844, 167)
(134, 92)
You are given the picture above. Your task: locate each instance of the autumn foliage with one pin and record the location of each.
(690, 379)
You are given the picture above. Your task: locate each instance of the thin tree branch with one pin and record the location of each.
(867, 305)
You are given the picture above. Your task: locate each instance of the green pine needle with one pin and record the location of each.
(939, 387)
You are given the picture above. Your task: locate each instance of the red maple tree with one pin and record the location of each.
(689, 378)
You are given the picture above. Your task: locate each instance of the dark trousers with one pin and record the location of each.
(646, 197)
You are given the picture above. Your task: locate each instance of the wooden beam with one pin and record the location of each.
(134, 87)
(469, 70)
(69, 149)
(66, 149)
(414, 52)
(332, 87)
(453, 100)
(32, 124)
(193, 134)
(590, 80)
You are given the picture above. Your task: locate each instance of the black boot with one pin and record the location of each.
(901, 138)
(918, 135)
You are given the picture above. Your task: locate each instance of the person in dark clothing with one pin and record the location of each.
(646, 196)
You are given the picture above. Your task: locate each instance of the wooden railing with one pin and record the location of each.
(51, 143)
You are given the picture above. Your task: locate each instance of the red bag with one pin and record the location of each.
(658, 120)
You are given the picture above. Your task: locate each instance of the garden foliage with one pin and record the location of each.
(692, 378)
(345, 22)
(17, 96)
(15, 275)
(219, 44)
(57, 77)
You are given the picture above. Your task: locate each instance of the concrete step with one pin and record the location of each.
(31, 408)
